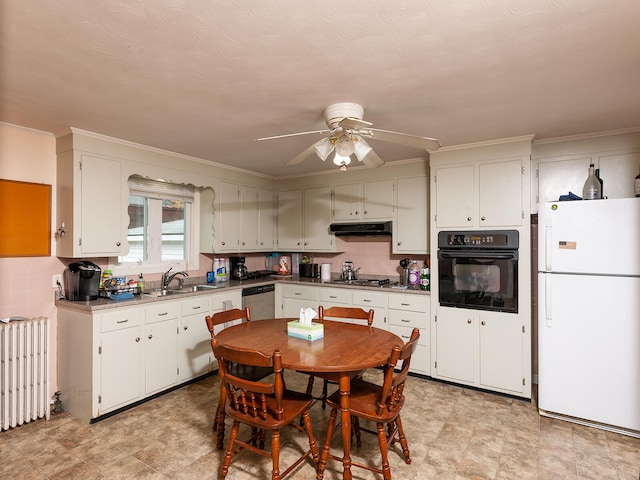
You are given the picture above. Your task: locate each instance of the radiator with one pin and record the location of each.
(24, 371)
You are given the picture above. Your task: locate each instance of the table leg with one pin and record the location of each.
(345, 390)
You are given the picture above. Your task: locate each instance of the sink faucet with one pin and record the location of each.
(167, 278)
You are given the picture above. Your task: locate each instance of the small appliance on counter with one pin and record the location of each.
(239, 270)
(82, 281)
(309, 270)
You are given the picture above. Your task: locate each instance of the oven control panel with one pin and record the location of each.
(479, 239)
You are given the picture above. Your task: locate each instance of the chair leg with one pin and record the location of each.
(310, 385)
(313, 446)
(355, 428)
(382, 442)
(322, 465)
(325, 388)
(403, 441)
(218, 424)
(228, 454)
(275, 454)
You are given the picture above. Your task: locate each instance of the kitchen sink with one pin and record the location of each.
(165, 293)
(201, 288)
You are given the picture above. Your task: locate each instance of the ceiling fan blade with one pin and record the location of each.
(293, 135)
(372, 160)
(425, 143)
(305, 153)
(354, 123)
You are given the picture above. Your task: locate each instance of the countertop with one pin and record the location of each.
(229, 285)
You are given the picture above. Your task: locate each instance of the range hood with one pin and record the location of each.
(361, 229)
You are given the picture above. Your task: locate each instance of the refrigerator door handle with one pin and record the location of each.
(547, 299)
(547, 247)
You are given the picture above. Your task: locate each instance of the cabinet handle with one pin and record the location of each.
(399, 243)
(137, 339)
(483, 218)
(366, 212)
(469, 320)
(122, 321)
(333, 296)
(356, 212)
(150, 337)
(224, 243)
(482, 322)
(366, 300)
(405, 321)
(297, 293)
(118, 244)
(186, 327)
(405, 304)
(298, 243)
(243, 244)
(468, 219)
(163, 314)
(195, 308)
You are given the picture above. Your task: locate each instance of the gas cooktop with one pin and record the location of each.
(367, 282)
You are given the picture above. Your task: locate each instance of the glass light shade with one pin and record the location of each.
(340, 161)
(361, 149)
(344, 146)
(323, 148)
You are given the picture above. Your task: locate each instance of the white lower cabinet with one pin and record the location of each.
(407, 312)
(295, 297)
(483, 349)
(109, 359)
(367, 299)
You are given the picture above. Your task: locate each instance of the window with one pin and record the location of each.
(162, 229)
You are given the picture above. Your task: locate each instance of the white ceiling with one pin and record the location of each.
(206, 77)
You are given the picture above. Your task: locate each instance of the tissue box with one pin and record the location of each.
(315, 331)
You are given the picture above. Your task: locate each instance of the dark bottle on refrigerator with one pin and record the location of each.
(637, 184)
(601, 183)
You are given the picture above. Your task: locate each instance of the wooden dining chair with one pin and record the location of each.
(262, 406)
(239, 370)
(378, 404)
(351, 313)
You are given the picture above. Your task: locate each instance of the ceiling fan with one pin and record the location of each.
(347, 131)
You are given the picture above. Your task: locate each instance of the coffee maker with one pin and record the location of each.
(238, 268)
(82, 281)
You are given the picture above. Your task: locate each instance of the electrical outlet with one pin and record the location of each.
(57, 278)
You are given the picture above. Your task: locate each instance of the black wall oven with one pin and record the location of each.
(478, 270)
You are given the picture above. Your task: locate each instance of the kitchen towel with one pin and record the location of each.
(325, 272)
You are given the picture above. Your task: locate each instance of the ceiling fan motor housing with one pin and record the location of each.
(336, 112)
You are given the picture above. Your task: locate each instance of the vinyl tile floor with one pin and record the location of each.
(454, 433)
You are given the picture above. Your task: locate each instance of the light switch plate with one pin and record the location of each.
(57, 277)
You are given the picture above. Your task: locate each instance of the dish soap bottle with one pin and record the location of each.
(140, 284)
(425, 280)
(414, 275)
(591, 189)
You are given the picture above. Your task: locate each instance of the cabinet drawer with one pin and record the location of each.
(162, 311)
(334, 295)
(225, 301)
(408, 319)
(405, 334)
(200, 304)
(300, 292)
(122, 319)
(369, 299)
(415, 303)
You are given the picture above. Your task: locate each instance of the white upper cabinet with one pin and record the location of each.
(249, 226)
(303, 220)
(410, 226)
(229, 212)
(363, 201)
(266, 220)
(481, 195)
(91, 204)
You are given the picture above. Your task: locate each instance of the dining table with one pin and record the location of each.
(345, 350)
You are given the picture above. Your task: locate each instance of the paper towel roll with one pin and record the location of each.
(325, 271)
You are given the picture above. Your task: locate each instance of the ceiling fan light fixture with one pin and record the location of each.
(340, 160)
(361, 149)
(323, 148)
(344, 146)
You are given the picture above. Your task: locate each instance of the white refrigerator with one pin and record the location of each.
(589, 312)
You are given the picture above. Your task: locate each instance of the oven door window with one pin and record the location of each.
(485, 281)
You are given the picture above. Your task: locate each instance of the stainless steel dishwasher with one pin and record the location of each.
(261, 299)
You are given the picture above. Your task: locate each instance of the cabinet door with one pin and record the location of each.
(377, 201)
(101, 223)
(367, 299)
(455, 344)
(500, 194)
(411, 222)
(317, 218)
(161, 355)
(196, 356)
(266, 220)
(229, 205)
(347, 202)
(290, 226)
(121, 368)
(249, 213)
(501, 349)
(454, 196)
